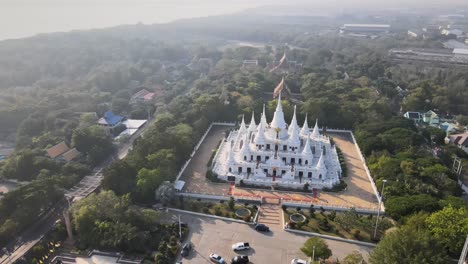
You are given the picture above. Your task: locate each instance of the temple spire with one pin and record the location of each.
(307, 151)
(260, 136)
(315, 132)
(294, 139)
(263, 119)
(252, 125)
(242, 126)
(305, 128)
(278, 122)
(293, 122)
(321, 162)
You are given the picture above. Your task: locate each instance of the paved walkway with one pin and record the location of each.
(195, 173)
(270, 215)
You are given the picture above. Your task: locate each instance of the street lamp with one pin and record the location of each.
(180, 229)
(313, 254)
(378, 209)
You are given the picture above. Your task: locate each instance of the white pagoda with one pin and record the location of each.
(278, 154)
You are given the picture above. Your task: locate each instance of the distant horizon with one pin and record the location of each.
(26, 18)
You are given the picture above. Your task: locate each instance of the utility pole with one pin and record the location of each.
(378, 209)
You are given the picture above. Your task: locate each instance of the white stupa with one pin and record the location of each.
(275, 153)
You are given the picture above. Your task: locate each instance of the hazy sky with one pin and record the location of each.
(20, 18)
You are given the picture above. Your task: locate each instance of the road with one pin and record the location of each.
(82, 189)
(209, 235)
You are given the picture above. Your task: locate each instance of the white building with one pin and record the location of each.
(365, 28)
(277, 154)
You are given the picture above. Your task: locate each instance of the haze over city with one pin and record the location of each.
(28, 17)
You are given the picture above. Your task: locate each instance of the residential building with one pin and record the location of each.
(415, 116)
(110, 120)
(459, 140)
(415, 33)
(142, 96)
(433, 57)
(431, 118)
(448, 127)
(455, 33)
(365, 28)
(62, 152)
(274, 153)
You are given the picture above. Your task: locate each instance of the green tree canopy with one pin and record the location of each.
(408, 245)
(321, 248)
(450, 227)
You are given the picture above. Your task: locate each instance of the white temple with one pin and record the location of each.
(277, 154)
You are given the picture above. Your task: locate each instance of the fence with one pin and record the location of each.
(306, 204)
(221, 197)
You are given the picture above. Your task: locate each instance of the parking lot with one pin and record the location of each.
(209, 235)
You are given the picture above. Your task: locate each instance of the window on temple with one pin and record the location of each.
(309, 174)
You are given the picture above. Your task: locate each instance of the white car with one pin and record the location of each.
(240, 246)
(217, 258)
(298, 261)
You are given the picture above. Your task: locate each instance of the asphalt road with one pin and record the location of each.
(209, 235)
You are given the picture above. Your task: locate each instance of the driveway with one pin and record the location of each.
(210, 235)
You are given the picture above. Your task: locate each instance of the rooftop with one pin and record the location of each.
(58, 150)
(110, 118)
(367, 25)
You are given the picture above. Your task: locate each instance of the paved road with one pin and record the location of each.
(82, 189)
(210, 235)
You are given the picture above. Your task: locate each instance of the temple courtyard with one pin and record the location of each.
(359, 192)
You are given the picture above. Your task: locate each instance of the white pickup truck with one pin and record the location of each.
(240, 246)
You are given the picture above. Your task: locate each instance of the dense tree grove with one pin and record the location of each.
(70, 79)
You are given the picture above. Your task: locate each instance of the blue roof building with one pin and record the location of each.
(110, 119)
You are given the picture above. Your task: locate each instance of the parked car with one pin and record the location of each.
(217, 258)
(298, 261)
(182, 224)
(186, 248)
(239, 260)
(262, 228)
(240, 246)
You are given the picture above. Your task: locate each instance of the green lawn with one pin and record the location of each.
(348, 225)
(221, 208)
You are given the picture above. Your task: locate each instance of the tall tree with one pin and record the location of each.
(321, 248)
(408, 245)
(450, 227)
